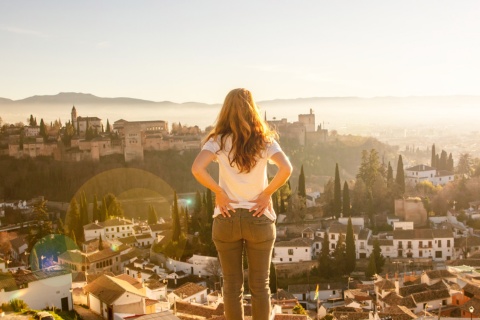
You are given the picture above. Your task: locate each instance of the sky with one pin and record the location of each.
(198, 50)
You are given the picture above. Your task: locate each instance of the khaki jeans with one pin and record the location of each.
(257, 236)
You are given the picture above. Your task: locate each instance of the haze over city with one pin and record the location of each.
(185, 51)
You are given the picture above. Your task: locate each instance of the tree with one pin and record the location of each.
(359, 199)
(298, 309)
(108, 127)
(465, 164)
(337, 194)
(103, 216)
(346, 200)
(42, 226)
(210, 207)
(100, 243)
(84, 210)
(350, 254)
(302, 191)
(152, 215)
(96, 209)
(34, 265)
(450, 163)
(176, 219)
(433, 160)
(114, 206)
(43, 130)
(378, 256)
(339, 258)
(5, 245)
(372, 267)
(400, 178)
(324, 259)
(390, 180)
(214, 269)
(273, 278)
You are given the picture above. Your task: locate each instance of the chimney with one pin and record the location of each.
(397, 286)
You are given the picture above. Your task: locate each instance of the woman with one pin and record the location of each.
(244, 218)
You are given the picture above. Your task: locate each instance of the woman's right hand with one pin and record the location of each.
(224, 203)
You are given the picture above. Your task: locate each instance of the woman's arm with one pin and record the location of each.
(199, 171)
(263, 201)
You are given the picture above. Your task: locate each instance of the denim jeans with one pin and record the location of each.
(257, 236)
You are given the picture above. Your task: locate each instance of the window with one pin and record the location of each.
(306, 250)
(333, 245)
(439, 243)
(290, 252)
(281, 259)
(362, 245)
(289, 259)
(448, 243)
(332, 236)
(420, 244)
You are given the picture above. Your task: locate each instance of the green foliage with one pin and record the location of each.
(372, 267)
(400, 179)
(337, 194)
(298, 309)
(302, 191)
(175, 219)
(15, 305)
(43, 226)
(378, 257)
(346, 200)
(350, 254)
(152, 215)
(34, 264)
(273, 278)
(324, 259)
(339, 258)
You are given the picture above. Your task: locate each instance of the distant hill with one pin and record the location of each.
(78, 98)
(334, 112)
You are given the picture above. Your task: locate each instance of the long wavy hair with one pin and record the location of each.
(240, 120)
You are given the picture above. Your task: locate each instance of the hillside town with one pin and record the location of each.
(408, 262)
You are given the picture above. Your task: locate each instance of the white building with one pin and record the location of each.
(189, 292)
(39, 289)
(424, 243)
(423, 172)
(295, 250)
(109, 295)
(109, 229)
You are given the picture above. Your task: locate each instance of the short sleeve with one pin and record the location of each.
(273, 148)
(211, 145)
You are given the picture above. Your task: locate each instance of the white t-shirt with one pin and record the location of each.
(242, 186)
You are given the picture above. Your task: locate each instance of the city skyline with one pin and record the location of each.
(198, 51)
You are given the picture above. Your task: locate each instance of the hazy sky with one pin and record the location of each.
(198, 50)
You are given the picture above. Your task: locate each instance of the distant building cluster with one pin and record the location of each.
(86, 138)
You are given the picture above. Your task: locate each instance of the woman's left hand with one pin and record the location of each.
(262, 202)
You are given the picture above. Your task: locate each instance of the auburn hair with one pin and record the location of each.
(240, 120)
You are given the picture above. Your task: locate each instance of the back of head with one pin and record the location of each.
(240, 120)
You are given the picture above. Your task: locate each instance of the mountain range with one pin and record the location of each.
(458, 110)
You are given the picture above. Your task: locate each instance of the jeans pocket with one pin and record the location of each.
(262, 229)
(222, 229)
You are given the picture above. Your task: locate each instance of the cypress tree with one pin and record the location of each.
(350, 254)
(186, 220)
(443, 160)
(103, 211)
(197, 208)
(96, 209)
(450, 162)
(175, 218)
(74, 215)
(34, 265)
(324, 259)
(273, 278)
(302, 191)
(43, 130)
(100, 243)
(339, 257)
(152, 215)
(433, 158)
(400, 177)
(74, 238)
(108, 126)
(337, 194)
(378, 256)
(371, 269)
(389, 176)
(283, 207)
(210, 206)
(31, 121)
(85, 216)
(346, 200)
